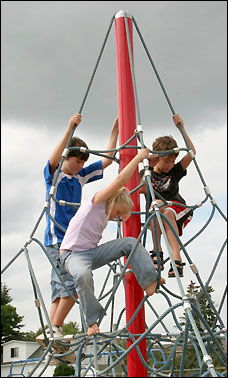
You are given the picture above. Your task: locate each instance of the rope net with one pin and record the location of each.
(197, 331)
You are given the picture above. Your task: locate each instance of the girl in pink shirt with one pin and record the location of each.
(81, 254)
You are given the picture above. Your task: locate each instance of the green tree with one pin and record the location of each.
(63, 370)
(71, 328)
(27, 336)
(5, 297)
(10, 320)
(200, 300)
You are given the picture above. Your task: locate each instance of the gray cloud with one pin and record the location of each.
(49, 52)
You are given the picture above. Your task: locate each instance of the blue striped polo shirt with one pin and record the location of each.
(68, 188)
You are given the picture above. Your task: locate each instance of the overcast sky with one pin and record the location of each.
(49, 50)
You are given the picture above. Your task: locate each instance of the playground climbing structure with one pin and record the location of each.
(133, 346)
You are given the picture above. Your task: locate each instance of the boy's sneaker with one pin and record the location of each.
(57, 333)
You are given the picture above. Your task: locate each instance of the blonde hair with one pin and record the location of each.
(121, 196)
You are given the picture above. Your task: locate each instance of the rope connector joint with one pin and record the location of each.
(139, 129)
(65, 152)
(194, 268)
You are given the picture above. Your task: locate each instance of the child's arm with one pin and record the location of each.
(186, 160)
(58, 150)
(121, 179)
(153, 160)
(112, 144)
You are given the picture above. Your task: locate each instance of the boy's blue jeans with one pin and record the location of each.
(81, 264)
(57, 289)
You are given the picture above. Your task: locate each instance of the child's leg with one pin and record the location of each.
(170, 235)
(156, 240)
(53, 309)
(63, 308)
(61, 301)
(141, 262)
(156, 237)
(79, 266)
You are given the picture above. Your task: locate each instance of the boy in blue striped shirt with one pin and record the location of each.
(71, 179)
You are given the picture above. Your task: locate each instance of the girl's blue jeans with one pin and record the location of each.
(80, 265)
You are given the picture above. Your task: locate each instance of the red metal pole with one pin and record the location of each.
(132, 227)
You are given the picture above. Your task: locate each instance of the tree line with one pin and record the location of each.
(12, 322)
